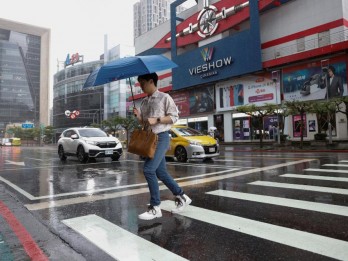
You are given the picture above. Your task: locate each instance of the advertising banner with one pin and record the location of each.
(195, 101)
(297, 125)
(309, 81)
(256, 90)
(182, 101)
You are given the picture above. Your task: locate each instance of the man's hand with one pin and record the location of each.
(152, 121)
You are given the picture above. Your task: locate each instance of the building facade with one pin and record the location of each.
(69, 96)
(74, 106)
(24, 74)
(233, 53)
(148, 14)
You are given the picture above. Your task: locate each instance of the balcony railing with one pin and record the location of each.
(318, 41)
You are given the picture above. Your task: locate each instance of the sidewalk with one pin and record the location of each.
(287, 147)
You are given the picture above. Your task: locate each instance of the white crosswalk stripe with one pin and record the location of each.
(118, 242)
(298, 176)
(322, 245)
(327, 170)
(285, 202)
(336, 165)
(300, 187)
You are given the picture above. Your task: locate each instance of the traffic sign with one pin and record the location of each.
(27, 125)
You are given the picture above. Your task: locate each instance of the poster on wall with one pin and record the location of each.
(311, 125)
(241, 129)
(201, 100)
(297, 125)
(257, 89)
(196, 101)
(181, 100)
(309, 81)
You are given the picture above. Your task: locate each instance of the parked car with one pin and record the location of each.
(88, 143)
(15, 141)
(187, 143)
(6, 142)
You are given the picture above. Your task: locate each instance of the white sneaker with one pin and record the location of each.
(181, 202)
(151, 213)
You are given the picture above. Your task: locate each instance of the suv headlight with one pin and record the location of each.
(193, 142)
(91, 142)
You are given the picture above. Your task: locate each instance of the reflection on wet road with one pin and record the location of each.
(246, 205)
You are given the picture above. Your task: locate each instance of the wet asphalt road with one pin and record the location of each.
(247, 205)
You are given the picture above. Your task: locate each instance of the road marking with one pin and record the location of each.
(14, 163)
(226, 160)
(292, 203)
(31, 197)
(23, 192)
(116, 241)
(314, 177)
(24, 237)
(300, 187)
(327, 170)
(92, 198)
(322, 245)
(336, 165)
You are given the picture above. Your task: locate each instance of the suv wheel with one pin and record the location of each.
(115, 157)
(81, 155)
(180, 154)
(61, 153)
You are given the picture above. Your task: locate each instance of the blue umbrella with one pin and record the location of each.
(128, 67)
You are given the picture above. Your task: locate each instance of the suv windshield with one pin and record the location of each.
(188, 132)
(92, 133)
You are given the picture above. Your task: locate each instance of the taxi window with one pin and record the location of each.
(188, 132)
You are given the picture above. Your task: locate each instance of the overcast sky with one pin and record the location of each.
(77, 26)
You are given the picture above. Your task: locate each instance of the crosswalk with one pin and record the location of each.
(96, 229)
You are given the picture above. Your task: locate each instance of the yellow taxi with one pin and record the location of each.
(15, 141)
(187, 143)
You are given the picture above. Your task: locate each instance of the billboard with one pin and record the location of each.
(234, 55)
(255, 89)
(308, 81)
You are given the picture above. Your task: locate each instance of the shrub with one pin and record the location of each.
(320, 136)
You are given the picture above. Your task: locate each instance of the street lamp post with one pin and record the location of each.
(324, 68)
(275, 77)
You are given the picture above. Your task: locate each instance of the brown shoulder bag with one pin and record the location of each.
(143, 143)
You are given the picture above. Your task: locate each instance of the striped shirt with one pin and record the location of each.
(158, 105)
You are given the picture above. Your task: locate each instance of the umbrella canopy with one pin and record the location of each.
(128, 67)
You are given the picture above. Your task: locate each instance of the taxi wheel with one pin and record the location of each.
(181, 154)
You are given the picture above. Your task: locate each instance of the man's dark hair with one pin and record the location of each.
(150, 76)
(332, 69)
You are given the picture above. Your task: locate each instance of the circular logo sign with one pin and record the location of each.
(207, 21)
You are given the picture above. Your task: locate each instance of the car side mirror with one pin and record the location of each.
(74, 136)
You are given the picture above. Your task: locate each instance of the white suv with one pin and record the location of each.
(88, 143)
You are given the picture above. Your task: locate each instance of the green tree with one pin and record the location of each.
(129, 124)
(48, 133)
(16, 132)
(339, 102)
(114, 124)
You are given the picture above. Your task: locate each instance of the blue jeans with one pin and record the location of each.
(156, 168)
